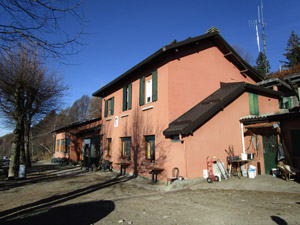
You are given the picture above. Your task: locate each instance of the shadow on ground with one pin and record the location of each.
(278, 220)
(82, 213)
(44, 208)
(39, 173)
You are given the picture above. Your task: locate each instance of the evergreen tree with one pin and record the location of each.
(262, 64)
(292, 51)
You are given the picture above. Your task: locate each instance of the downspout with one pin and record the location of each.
(185, 155)
(243, 137)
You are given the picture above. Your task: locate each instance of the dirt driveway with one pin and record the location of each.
(67, 195)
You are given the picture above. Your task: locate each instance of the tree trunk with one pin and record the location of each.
(15, 152)
(18, 143)
(22, 148)
(14, 161)
(27, 143)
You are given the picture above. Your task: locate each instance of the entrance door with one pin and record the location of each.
(270, 145)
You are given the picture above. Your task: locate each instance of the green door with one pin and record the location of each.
(270, 145)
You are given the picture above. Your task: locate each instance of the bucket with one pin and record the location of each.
(251, 173)
(251, 167)
(22, 171)
(275, 172)
(244, 173)
(205, 174)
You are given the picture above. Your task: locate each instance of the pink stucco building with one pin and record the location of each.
(180, 105)
(73, 138)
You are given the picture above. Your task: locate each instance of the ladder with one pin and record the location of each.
(222, 169)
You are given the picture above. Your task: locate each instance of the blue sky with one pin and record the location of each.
(121, 33)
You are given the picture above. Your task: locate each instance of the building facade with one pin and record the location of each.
(78, 140)
(181, 105)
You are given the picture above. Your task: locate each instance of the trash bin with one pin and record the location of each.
(244, 172)
(252, 172)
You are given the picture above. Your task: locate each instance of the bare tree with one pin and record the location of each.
(244, 54)
(79, 109)
(137, 128)
(95, 107)
(27, 92)
(54, 26)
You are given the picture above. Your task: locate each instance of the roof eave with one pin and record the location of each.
(243, 65)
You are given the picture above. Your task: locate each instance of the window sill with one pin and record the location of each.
(125, 160)
(147, 108)
(108, 119)
(148, 163)
(125, 115)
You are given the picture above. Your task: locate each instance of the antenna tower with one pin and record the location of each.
(260, 24)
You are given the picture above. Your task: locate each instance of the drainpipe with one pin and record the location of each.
(185, 154)
(243, 138)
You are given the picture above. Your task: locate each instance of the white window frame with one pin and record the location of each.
(149, 91)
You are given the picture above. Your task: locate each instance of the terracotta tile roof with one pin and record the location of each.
(209, 107)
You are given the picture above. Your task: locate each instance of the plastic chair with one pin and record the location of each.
(175, 174)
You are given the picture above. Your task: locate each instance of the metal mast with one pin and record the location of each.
(260, 24)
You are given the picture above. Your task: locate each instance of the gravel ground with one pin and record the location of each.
(52, 194)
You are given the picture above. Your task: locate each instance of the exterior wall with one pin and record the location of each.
(59, 152)
(221, 131)
(182, 83)
(266, 105)
(76, 142)
(137, 123)
(194, 77)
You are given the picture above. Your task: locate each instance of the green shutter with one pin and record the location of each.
(124, 98)
(154, 86)
(256, 106)
(129, 95)
(142, 91)
(253, 104)
(112, 105)
(289, 102)
(106, 108)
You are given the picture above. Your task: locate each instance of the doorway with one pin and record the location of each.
(270, 146)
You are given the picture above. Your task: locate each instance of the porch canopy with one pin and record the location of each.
(267, 123)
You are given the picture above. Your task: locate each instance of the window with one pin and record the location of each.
(68, 140)
(253, 104)
(285, 103)
(57, 149)
(108, 147)
(62, 149)
(109, 107)
(126, 147)
(150, 148)
(127, 90)
(151, 89)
